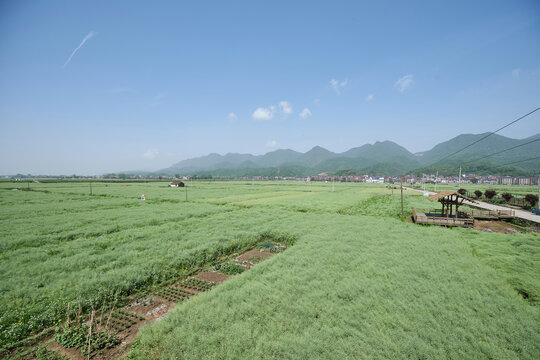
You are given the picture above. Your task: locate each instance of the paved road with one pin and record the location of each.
(522, 214)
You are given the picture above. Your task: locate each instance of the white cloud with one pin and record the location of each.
(262, 114)
(150, 153)
(285, 108)
(232, 118)
(271, 143)
(369, 97)
(87, 37)
(515, 73)
(403, 83)
(337, 85)
(305, 113)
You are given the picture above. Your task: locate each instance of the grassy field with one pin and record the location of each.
(358, 283)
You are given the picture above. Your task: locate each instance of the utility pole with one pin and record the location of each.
(28, 185)
(436, 177)
(401, 182)
(332, 184)
(459, 180)
(185, 187)
(539, 190)
(90, 188)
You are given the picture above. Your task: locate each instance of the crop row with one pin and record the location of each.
(81, 337)
(196, 284)
(129, 315)
(38, 352)
(172, 293)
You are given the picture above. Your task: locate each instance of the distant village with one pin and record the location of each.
(409, 179)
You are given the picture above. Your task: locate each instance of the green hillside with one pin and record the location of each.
(380, 158)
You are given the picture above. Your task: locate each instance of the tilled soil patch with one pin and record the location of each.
(213, 276)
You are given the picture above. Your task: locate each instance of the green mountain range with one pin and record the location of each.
(380, 158)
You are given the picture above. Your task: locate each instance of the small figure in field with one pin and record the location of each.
(143, 197)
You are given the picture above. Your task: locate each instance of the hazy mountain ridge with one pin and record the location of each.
(383, 158)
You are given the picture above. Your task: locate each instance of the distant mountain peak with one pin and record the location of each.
(384, 157)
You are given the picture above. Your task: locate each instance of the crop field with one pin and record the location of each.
(358, 282)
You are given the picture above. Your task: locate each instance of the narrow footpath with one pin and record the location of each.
(522, 214)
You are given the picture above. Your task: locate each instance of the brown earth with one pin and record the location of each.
(212, 276)
(253, 253)
(496, 226)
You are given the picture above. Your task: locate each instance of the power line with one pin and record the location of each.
(498, 152)
(486, 136)
(520, 161)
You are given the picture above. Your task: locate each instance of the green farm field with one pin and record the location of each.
(359, 282)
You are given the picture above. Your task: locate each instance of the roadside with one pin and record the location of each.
(518, 213)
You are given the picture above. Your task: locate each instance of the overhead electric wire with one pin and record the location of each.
(488, 135)
(498, 152)
(520, 161)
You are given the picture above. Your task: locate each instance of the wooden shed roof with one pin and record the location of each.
(448, 193)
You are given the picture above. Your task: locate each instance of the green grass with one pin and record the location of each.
(355, 287)
(358, 283)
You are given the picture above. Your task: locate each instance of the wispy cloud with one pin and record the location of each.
(305, 113)
(515, 73)
(285, 108)
(86, 38)
(232, 118)
(403, 83)
(263, 114)
(150, 154)
(271, 143)
(369, 97)
(337, 85)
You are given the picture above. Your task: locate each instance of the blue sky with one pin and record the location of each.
(99, 86)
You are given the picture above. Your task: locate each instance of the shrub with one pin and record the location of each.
(507, 196)
(231, 269)
(531, 199)
(462, 191)
(489, 194)
(478, 193)
(77, 337)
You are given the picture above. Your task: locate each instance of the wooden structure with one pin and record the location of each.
(488, 214)
(448, 199)
(449, 215)
(177, 184)
(431, 217)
